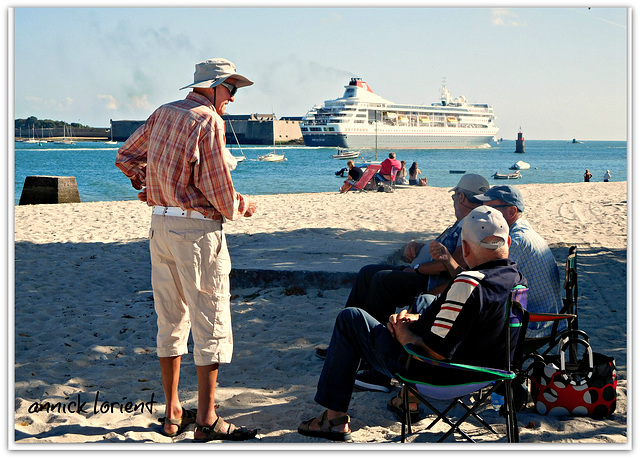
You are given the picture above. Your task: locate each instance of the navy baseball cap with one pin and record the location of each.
(507, 193)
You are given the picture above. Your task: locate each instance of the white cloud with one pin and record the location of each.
(50, 104)
(110, 102)
(140, 103)
(504, 17)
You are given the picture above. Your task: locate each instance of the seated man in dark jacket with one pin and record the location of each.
(465, 324)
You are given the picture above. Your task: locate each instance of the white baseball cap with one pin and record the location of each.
(482, 222)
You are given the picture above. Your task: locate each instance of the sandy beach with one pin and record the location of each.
(85, 325)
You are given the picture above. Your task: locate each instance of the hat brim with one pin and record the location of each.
(241, 81)
(483, 198)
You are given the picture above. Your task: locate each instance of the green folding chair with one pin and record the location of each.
(461, 380)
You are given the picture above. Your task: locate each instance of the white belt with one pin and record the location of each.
(178, 212)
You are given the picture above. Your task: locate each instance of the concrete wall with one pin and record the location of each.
(261, 129)
(254, 129)
(123, 129)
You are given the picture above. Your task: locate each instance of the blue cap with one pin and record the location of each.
(507, 193)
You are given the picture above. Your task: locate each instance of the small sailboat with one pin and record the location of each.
(64, 140)
(238, 159)
(272, 157)
(241, 158)
(111, 141)
(32, 139)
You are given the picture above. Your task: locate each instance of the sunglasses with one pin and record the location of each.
(232, 89)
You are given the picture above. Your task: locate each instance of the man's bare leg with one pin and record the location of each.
(170, 372)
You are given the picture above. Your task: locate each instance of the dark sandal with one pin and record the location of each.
(214, 432)
(325, 428)
(188, 417)
(414, 415)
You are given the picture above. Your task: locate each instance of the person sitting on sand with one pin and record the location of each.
(607, 176)
(401, 176)
(388, 164)
(587, 175)
(474, 334)
(529, 250)
(381, 288)
(413, 173)
(355, 173)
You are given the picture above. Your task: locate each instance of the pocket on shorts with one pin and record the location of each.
(186, 235)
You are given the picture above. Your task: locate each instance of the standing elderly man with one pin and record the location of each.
(465, 324)
(177, 158)
(532, 254)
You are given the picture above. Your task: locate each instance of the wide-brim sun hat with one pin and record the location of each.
(212, 72)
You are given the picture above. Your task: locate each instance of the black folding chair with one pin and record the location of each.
(468, 379)
(569, 312)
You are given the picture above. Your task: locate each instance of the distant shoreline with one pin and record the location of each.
(73, 139)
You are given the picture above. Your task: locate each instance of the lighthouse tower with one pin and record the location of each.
(520, 142)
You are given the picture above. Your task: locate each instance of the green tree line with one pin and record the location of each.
(32, 121)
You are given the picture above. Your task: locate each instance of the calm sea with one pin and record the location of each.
(309, 170)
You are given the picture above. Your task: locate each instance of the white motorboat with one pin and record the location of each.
(520, 166)
(347, 154)
(512, 176)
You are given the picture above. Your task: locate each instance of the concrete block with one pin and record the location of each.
(48, 189)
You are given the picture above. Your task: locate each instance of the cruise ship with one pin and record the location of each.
(363, 119)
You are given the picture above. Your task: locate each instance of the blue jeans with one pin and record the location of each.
(356, 335)
(380, 289)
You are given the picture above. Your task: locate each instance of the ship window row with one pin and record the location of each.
(317, 129)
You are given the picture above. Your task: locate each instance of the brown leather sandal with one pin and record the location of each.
(188, 417)
(325, 428)
(395, 406)
(233, 433)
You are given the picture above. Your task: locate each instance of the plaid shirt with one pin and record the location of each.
(536, 262)
(178, 154)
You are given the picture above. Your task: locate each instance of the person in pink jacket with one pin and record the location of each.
(388, 164)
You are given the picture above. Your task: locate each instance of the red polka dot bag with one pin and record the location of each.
(584, 387)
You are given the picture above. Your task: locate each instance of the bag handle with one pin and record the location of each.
(564, 345)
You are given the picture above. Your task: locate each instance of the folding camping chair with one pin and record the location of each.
(367, 176)
(469, 379)
(571, 287)
(382, 180)
(569, 310)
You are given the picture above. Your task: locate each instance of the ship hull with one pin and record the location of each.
(398, 141)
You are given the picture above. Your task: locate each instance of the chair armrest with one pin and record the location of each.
(549, 317)
(501, 374)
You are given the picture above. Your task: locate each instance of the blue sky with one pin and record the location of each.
(560, 73)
